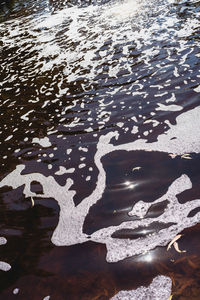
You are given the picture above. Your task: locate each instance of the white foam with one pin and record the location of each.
(159, 289)
(46, 298)
(68, 151)
(122, 10)
(134, 130)
(120, 124)
(88, 178)
(175, 212)
(172, 107)
(84, 149)
(3, 240)
(172, 98)
(69, 229)
(24, 117)
(197, 90)
(44, 142)
(8, 138)
(179, 138)
(82, 166)
(4, 266)
(15, 291)
(62, 170)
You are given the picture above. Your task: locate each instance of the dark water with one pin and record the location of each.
(71, 73)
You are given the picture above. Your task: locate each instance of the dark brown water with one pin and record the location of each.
(103, 96)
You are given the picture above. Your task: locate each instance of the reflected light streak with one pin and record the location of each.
(148, 257)
(130, 184)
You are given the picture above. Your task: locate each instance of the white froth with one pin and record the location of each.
(140, 209)
(88, 178)
(70, 227)
(197, 90)
(3, 240)
(62, 170)
(123, 10)
(44, 142)
(8, 138)
(176, 72)
(15, 291)
(83, 149)
(172, 98)
(120, 124)
(179, 138)
(4, 266)
(24, 117)
(175, 212)
(82, 166)
(134, 130)
(159, 289)
(172, 107)
(68, 151)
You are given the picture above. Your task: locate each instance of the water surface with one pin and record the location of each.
(100, 143)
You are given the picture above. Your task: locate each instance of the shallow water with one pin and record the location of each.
(100, 149)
